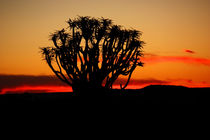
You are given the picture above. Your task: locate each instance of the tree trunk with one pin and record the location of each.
(89, 90)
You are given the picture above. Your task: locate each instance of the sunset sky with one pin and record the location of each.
(176, 33)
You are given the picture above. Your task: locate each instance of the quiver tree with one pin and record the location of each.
(92, 53)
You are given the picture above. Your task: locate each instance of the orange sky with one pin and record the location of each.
(176, 33)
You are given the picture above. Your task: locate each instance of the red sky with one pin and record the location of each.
(178, 59)
(176, 33)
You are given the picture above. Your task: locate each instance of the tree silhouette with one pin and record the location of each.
(92, 53)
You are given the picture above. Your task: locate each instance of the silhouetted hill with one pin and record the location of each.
(154, 94)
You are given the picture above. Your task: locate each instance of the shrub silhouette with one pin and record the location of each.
(92, 53)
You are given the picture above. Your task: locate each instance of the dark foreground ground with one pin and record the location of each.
(147, 95)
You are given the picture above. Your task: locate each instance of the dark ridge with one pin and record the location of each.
(154, 94)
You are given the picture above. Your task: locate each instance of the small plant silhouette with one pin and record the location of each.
(92, 53)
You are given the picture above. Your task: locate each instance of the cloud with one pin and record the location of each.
(179, 59)
(140, 81)
(36, 89)
(189, 51)
(40, 84)
(14, 81)
(45, 84)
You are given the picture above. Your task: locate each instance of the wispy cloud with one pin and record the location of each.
(179, 59)
(140, 82)
(24, 83)
(39, 84)
(35, 89)
(45, 84)
(189, 51)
